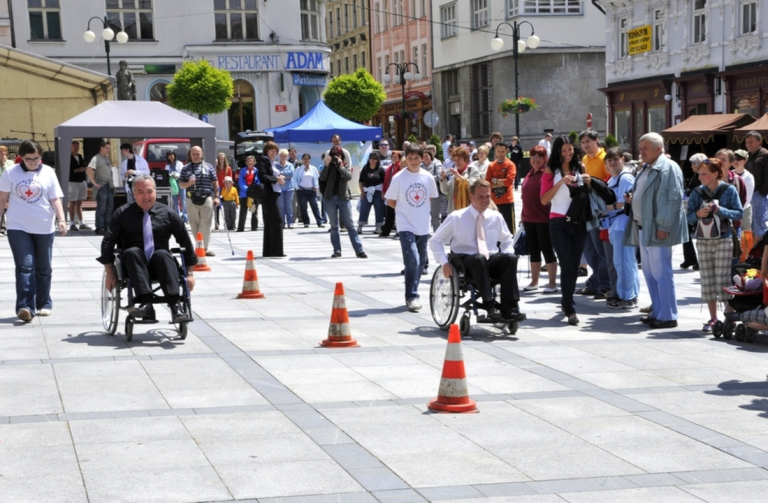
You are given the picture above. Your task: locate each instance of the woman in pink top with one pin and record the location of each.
(563, 177)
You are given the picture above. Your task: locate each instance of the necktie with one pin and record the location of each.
(149, 240)
(482, 246)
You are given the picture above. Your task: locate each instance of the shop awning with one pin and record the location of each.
(760, 125)
(703, 128)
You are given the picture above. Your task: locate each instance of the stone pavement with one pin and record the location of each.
(249, 408)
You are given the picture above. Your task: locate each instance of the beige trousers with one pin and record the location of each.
(200, 219)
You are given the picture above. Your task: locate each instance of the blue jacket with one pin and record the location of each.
(241, 180)
(287, 171)
(729, 206)
(662, 206)
(299, 172)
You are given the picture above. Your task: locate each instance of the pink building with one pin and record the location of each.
(400, 41)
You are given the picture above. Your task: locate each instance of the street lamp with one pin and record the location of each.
(107, 34)
(405, 75)
(518, 46)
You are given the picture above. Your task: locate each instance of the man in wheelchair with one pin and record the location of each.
(472, 234)
(142, 231)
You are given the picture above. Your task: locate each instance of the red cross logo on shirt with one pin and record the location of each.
(417, 198)
(28, 193)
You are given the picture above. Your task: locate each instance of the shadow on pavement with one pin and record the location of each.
(755, 388)
(359, 313)
(162, 338)
(13, 320)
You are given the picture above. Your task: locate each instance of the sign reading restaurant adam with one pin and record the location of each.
(271, 62)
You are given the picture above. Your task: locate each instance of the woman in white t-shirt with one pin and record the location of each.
(34, 201)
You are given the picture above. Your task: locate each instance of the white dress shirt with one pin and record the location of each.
(459, 231)
(142, 168)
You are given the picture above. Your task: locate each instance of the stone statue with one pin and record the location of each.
(126, 86)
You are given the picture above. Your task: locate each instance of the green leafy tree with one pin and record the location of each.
(574, 136)
(413, 138)
(200, 88)
(435, 140)
(610, 141)
(357, 97)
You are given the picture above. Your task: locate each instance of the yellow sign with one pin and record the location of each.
(639, 39)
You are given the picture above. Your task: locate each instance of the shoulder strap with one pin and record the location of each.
(720, 190)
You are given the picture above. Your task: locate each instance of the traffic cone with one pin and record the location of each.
(202, 264)
(250, 281)
(453, 395)
(339, 335)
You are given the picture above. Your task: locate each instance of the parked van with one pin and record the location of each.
(154, 150)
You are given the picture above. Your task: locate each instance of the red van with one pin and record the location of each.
(154, 150)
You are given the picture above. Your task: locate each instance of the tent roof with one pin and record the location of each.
(703, 128)
(760, 125)
(125, 119)
(320, 123)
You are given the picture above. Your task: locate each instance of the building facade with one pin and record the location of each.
(275, 51)
(563, 74)
(667, 60)
(400, 39)
(349, 36)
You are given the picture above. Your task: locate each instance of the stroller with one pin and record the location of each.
(747, 297)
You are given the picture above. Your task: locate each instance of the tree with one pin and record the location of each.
(357, 97)
(435, 140)
(200, 88)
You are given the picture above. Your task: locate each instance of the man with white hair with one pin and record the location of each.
(657, 222)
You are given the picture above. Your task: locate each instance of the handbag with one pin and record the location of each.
(520, 243)
(256, 192)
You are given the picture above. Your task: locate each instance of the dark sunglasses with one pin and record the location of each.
(706, 161)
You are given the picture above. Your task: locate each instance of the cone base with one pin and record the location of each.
(201, 268)
(250, 295)
(327, 343)
(465, 408)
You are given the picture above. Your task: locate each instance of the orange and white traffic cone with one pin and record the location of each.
(250, 281)
(202, 264)
(339, 335)
(453, 395)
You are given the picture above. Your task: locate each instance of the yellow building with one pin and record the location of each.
(349, 36)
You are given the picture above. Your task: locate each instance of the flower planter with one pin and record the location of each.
(521, 109)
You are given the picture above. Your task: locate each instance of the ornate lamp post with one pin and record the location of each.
(107, 34)
(405, 75)
(518, 46)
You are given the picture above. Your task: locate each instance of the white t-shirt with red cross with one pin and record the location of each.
(29, 203)
(412, 191)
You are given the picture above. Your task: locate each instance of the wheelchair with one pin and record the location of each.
(445, 300)
(111, 299)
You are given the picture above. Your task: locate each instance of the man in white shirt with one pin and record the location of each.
(547, 144)
(472, 234)
(131, 166)
(409, 194)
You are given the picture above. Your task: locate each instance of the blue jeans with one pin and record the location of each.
(308, 196)
(339, 208)
(627, 279)
(365, 208)
(759, 215)
(415, 259)
(180, 200)
(568, 240)
(32, 256)
(657, 269)
(595, 255)
(285, 205)
(105, 201)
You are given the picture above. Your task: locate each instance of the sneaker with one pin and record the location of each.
(622, 304)
(359, 229)
(44, 312)
(84, 227)
(362, 255)
(413, 305)
(550, 289)
(25, 315)
(336, 255)
(73, 228)
(708, 326)
(614, 303)
(600, 296)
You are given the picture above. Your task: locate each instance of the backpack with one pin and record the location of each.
(711, 227)
(603, 191)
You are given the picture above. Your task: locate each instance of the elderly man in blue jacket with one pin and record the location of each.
(657, 222)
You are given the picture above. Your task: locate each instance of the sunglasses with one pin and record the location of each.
(706, 161)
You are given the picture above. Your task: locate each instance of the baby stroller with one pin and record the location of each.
(746, 304)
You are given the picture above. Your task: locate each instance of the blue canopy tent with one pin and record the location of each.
(319, 124)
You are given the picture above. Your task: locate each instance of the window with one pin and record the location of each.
(448, 25)
(362, 60)
(451, 83)
(479, 13)
(378, 17)
(354, 62)
(623, 49)
(397, 16)
(331, 68)
(659, 31)
(415, 58)
(402, 56)
(135, 17)
(362, 12)
(481, 99)
(310, 20)
(44, 20)
(748, 17)
(386, 67)
(423, 8)
(346, 65)
(379, 73)
(424, 60)
(412, 12)
(557, 7)
(657, 118)
(330, 24)
(236, 19)
(621, 128)
(338, 22)
(385, 26)
(241, 112)
(354, 13)
(699, 21)
(346, 18)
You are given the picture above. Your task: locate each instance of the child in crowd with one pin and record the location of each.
(230, 201)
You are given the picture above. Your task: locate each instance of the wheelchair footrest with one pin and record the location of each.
(137, 321)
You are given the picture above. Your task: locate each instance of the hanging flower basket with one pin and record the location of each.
(407, 114)
(520, 105)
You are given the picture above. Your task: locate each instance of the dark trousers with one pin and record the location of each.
(539, 242)
(161, 267)
(569, 240)
(500, 265)
(689, 251)
(508, 212)
(244, 213)
(389, 221)
(308, 196)
(273, 228)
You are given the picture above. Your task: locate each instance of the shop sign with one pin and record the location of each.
(639, 39)
(751, 82)
(281, 108)
(304, 61)
(309, 79)
(415, 94)
(273, 62)
(641, 94)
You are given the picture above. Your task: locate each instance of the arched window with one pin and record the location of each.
(242, 115)
(308, 97)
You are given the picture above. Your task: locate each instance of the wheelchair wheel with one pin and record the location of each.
(464, 324)
(129, 328)
(110, 306)
(183, 330)
(444, 298)
(741, 332)
(728, 329)
(513, 325)
(751, 335)
(717, 329)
